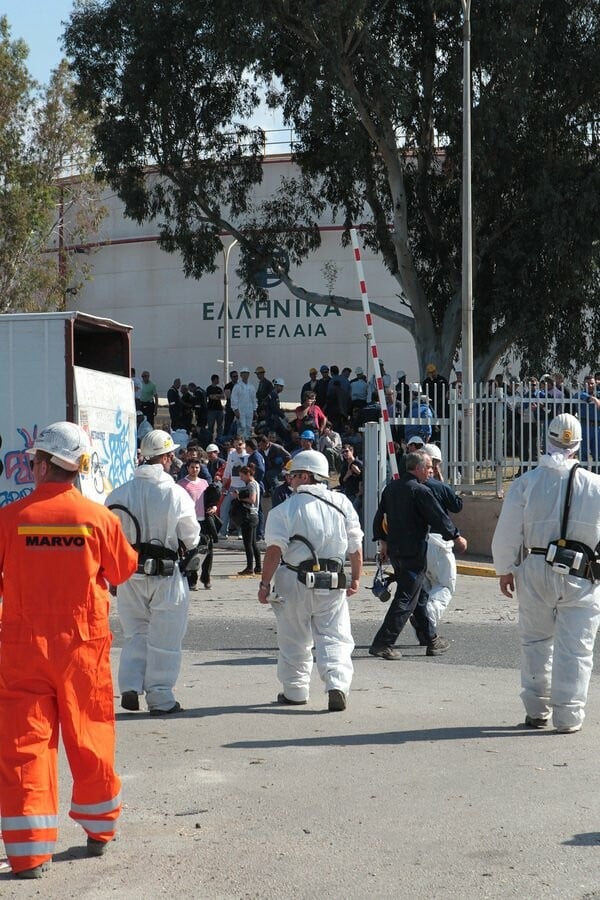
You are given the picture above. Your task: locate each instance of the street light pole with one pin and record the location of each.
(226, 251)
(468, 424)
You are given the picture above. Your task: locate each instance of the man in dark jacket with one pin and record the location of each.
(407, 510)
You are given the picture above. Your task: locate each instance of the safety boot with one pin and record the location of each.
(437, 646)
(96, 848)
(36, 872)
(385, 652)
(532, 722)
(130, 701)
(337, 701)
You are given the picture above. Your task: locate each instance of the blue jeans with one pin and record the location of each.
(224, 514)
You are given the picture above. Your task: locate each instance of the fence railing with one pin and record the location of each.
(511, 424)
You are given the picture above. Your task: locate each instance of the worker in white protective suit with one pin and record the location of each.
(556, 581)
(243, 403)
(156, 514)
(307, 539)
(439, 583)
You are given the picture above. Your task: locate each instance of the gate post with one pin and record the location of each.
(374, 479)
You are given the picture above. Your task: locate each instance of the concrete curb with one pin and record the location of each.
(470, 568)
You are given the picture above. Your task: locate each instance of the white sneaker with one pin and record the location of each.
(568, 729)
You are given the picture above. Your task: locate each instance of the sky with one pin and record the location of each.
(38, 22)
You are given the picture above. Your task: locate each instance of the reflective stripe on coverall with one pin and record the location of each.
(56, 550)
(558, 614)
(305, 616)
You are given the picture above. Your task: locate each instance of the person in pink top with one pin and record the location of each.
(197, 488)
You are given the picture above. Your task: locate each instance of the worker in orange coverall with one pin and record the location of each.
(58, 550)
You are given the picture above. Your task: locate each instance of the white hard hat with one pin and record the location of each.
(278, 382)
(211, 448)
(433, 451)
(157, 442)
(565, 431)
(415, 387)
(67, 443)
(311, 461)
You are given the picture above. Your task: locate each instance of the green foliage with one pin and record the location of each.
(373, 91)
(40, 135)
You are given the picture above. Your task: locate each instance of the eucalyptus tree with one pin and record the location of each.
(372, 89)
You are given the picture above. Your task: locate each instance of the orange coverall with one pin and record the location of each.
(56, 550)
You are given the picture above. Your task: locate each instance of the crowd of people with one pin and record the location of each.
(244, 423)
(199, 480)
(335, 402)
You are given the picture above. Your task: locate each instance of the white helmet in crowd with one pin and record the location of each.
(278, 382)
(68, 444)
(157, 442)
(433, 451)
(565, 431)
(311, 461)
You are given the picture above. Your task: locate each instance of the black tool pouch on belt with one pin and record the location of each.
(323, 581)
(155, 559)
(318, 574)
(572, 557)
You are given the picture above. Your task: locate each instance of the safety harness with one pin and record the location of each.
(568, 557)
(156, 559)
(317, 573)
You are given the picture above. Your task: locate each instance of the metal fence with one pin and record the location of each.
(510, 428)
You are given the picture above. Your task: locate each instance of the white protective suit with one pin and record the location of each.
(558, 614)
(440, 576)
(243, 400)
(307, 616)
(153, 609)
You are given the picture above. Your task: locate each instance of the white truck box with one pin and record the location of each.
(73, 366)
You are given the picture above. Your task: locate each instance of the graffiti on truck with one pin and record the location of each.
(15, 468)
(112, 460)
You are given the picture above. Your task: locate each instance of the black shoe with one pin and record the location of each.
(337, 701)
(258, 570)
(420, 634)
(281, 698)
(177, 707)
(36, 872)
(130, 701)
(96, 848)
(532, 722)
(385, 652)
(246, 572)
(437, 646)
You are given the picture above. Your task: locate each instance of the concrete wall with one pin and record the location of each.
(178, 322)
(477, 523)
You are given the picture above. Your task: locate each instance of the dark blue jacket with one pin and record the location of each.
(411, 510)
(446, 496)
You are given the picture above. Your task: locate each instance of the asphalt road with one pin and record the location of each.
(472, 645)
(427, 786)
